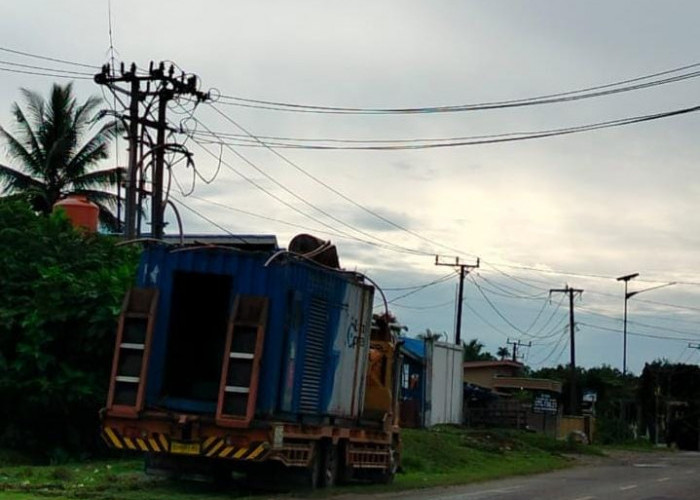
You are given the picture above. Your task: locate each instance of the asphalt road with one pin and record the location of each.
(647, 476)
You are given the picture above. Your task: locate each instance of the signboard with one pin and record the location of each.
(589, 396)
(545, 403)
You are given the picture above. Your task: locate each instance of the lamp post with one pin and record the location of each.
(626, 279)
(628, 295)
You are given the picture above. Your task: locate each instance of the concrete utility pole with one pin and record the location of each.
(160, 85)
(573, 400)
(463, 271)
(516, 344)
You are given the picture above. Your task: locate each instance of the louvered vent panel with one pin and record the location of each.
(315, 349)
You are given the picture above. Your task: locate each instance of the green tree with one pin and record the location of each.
(53, 155)
(61, 295)
(503, 352)
(474, 351)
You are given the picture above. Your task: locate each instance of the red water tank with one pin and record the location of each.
(81, 211)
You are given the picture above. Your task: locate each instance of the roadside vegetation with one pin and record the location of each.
(441, 456)
(61, 294)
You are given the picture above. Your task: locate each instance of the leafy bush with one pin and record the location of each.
(612, 431)
(61, 294)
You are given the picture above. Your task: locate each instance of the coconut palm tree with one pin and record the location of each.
(54, 153)
(474, 351)
(503, 353)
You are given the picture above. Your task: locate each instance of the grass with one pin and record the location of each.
(640, 445)
(449, 455)
(442, 456)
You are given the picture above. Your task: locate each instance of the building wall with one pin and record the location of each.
(484, 376)
(445, 384)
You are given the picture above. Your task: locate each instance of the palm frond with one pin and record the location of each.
(16, 150)
(36, 105)
(15, 184)
(28, 136)
(107, 218)
(60, 136)
(49, 151)
(100, 178)
(84, 115)
(99, 197)
(94, 150)
(12, 180)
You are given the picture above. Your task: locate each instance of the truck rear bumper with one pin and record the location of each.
(184, 438)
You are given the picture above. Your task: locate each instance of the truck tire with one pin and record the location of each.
(345, 471)
(310, 475)
(385, 476)
(329, 464)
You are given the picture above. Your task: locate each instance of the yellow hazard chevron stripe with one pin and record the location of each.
(154, 444)
(163, 442)
(214, 449)
(112, 438)
(213, 446)
(256, 452)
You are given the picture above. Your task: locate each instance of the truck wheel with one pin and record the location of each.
(388, 476)
(329, 469)
(345, 471)
(311, 474)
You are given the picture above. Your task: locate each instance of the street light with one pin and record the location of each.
(628, 295)
(626, 279)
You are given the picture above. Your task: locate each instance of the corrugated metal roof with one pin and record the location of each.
(497, 363)
(242, 241)
(414, 347)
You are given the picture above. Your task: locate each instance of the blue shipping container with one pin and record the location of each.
(316, 343)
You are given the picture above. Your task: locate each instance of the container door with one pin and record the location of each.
(131, 352)
(240, 373)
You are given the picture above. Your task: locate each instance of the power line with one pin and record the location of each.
(327, 186)
(44, 68)
(304, 201)
(40, 73)
(495, 309)
(47, 58)
(423, 308)
(447, 277)
(637, 334)
(478, 140)
(271, 219)
(562, 338)
(509, 292)
(638, 323)
(421, 286)
(257, 185)
(485, 321)
(585, 93)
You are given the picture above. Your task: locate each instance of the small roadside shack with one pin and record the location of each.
(497, 394)
(431, 383)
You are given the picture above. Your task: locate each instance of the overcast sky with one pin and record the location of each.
(540, 213)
